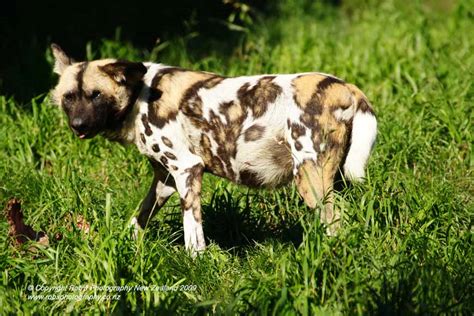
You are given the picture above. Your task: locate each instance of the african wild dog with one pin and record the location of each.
(259, 131)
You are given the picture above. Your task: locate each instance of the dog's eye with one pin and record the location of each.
(95, 94)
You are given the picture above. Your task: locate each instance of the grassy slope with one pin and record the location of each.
(406, 245)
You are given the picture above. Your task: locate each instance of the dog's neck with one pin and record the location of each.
(126, 132)
(122, 128)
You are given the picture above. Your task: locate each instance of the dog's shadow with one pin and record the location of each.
(235, 220)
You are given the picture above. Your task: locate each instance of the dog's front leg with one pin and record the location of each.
(161, 189)
(188, 184)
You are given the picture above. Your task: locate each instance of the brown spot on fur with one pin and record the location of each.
(154, 95)
(80, 77)
(213, 163)
(142, 137)
(194, 175)
(316, 138)
(317, 95)
(225, 135)
(124, 72)
(216, 166)
(254, 132)
(308, 120)
(174, 168)
(155, 148)
(191, 103)
(214, 81)
(329, 131)
(259, 96)
(249, 178)
(298, 145)
(364, 107)
(297, 130)
(281, 156)
(160, 120)
(363, 103)
(177, 86)
(170, 155)
(192, 197)
(164, 160)
(305, 92)
(337, 95)
(167, 141)
(313, 93)
(308, 98)
(279, 152)
(192, 107)
(326, 82)
(315, 105)
(148, 131)
(233, 112)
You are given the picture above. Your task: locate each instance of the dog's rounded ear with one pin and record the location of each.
(125, 72)
(61, 60)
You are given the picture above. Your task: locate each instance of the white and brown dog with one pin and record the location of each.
(260, 131)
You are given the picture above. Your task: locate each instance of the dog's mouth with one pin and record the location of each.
(84, 134)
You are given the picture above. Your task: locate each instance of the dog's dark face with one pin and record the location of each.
(95, 95)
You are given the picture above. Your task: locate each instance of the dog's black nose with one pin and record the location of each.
(78, 124)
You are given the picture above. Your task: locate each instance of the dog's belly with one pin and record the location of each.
(266, 162)
(259, 157)
(263, 163)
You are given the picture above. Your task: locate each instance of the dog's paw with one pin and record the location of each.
(332, 229)
(136, 228)
(193, 252)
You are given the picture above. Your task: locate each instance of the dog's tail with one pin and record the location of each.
(364, 132)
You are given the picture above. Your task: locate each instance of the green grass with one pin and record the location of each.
(407, 242)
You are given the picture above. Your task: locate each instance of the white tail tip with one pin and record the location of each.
(364, 132)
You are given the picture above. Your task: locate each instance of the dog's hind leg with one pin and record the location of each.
(316, 158)
(161, 189)
(314, 182)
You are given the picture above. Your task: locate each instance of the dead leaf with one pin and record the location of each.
(18, 230)
(58, 236)
(82, 224)
(78, 222)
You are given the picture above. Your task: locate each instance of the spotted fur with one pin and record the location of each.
(260, 131)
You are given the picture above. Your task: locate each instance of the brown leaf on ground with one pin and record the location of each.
(18, 230)
(82, 224)
(58, 236)
(77, 222)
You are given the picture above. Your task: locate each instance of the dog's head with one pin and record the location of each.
(96, 95)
